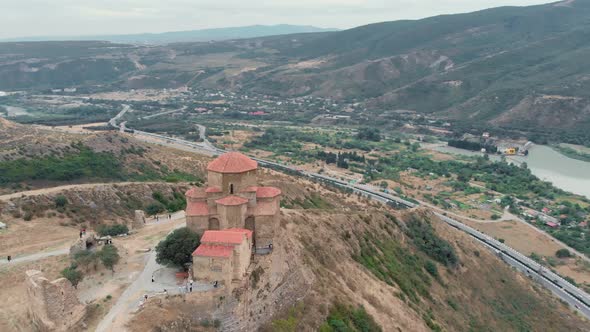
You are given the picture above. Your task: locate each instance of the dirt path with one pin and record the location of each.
(128, 302)
(35, 257)
(52, 190)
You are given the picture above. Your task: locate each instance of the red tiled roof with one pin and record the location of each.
(240, 230)
(228, 237)
(232, 162)
(213, 190)
(267, 192)
(208, 250)
(197, 209)
(232, 201)
(195, 192)
(249, 189)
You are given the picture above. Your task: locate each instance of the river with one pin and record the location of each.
(547, 164)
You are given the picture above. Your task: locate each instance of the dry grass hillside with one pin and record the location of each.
(34, 157)
(337, 253)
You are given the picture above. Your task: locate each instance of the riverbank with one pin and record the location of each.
(574, 152)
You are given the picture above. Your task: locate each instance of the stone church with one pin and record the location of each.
(233, 216)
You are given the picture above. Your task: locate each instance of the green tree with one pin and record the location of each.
(155, 208)
(177, 248)
(73, 275)
(109, 256)
(563, 253)
(86, 258)
(60, 201)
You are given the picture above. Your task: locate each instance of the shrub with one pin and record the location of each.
(563, 253)
(28, 216)
(113, 230)
(431, 244)
(60, 201)
(73, 275)
(154, 208)
(177, 248)
(347, 318)
(431, 268)
(86, 258)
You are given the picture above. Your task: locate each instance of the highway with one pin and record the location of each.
(578, 299)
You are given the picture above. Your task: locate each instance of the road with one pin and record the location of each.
(577, 298)
(35, 256)
(113, 121)
(53, 190)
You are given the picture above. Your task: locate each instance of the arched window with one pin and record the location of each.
(231, 188)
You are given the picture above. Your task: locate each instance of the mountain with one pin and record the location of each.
(520, 69)
(252, 31)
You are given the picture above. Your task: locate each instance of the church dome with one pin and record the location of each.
(232, 162)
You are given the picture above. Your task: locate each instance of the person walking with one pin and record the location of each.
(153, 279)
(169, 216)
(9, 258)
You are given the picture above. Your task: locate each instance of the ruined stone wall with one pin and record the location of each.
(54, 305)
(138, 220)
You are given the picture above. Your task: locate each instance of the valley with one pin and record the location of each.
(414, 175)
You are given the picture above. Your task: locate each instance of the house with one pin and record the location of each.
(552, 224)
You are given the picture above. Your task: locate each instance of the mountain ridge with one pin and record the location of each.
(197, 35)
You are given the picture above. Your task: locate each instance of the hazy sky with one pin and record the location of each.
(19, 18)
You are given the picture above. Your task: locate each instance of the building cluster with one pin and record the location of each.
(234, 217)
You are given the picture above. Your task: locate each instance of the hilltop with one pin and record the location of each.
(34, 157)
(338, 259)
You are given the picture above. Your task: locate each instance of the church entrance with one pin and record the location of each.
(214, 224)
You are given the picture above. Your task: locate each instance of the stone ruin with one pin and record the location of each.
(88, 241)
(138, 220)
(53, 305)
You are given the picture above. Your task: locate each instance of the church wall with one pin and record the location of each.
(214, 179)
(240, 181)
(198, 224)
(232, 216)
(242, 255)
(211, 269)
